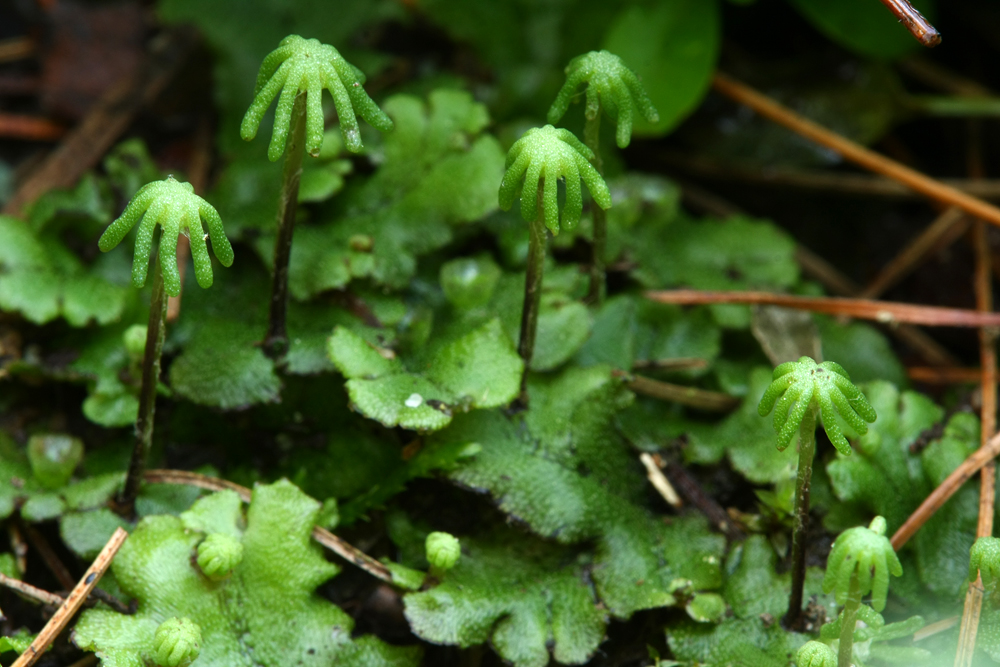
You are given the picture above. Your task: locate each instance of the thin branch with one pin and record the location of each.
(919, 27)
(30, 591)
(29, 128)
(659, 480)
(346, 551)
(692, 492)
(853, 151)
(73, 601)
(946, 490)
(887, 312)
(49, 557)
(701, 399)
(828, 182)
(943, 374)
(972, 609)
(941, 233)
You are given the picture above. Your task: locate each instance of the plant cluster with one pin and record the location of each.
(395, 359)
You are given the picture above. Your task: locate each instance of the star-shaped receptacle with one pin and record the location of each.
(175, 207)
(611, 86)
(545, 155)
(803, 385)
(864, 553)
(309, 66)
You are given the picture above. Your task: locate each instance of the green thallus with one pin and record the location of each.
(300, 69)
(614, 89)
(176, 208)
(800, 391)
(534, 165)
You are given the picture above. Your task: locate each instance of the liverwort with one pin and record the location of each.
(535, 163)
(176, 208)
(800, 392)
(300, 69)
(860, 562)
(615, 90)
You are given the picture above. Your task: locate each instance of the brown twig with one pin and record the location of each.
(946, 490)
(691, 491)
(108, 120)
(914, 21)
(943, 374)
(49, 557)
(831, 182)
(818, 268)
(73, 601)
(853, 151)
(700, 399)
(30, 591)
(346, 551)
(941, 233)
(29, 128)
(988, 386)
(888, 312)
(16, 48)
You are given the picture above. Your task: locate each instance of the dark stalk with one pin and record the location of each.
(537, 240)
(155, 334)
(592, 138)
(807, 450)
(276, 341)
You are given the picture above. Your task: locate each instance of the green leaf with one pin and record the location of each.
(866, 28)
(438, 171)
(672, 47)
(734, 254)
(563, 470)
(17, 642)
(272, 588)
(525, 596)
(630, 330)
(43, 280)
(758, 597)
(221, 366)
(478, 370)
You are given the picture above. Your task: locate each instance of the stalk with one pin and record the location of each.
(592, 137)
(807, 449)
(848, 622)
(155, 334)
(276, 341)
(537, 241)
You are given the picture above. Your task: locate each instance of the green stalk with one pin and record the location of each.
(537, 240)
(848, 621)
(155, 333)
(592, 137)
(276, 341)
(807, 450)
